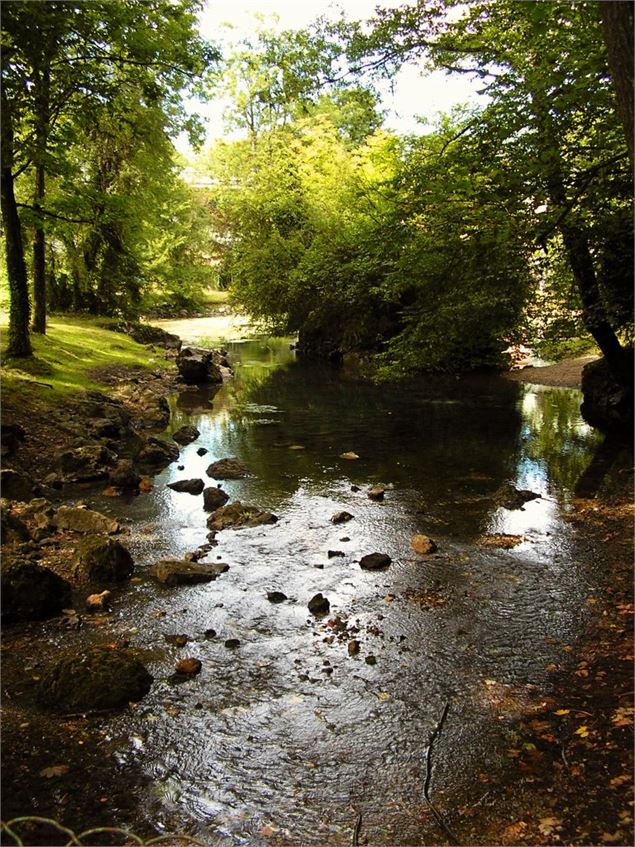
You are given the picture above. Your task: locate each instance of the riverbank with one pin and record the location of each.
(565, 374)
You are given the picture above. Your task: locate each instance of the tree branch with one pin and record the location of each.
(41, 211)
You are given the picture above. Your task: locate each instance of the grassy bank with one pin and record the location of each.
(69, 357)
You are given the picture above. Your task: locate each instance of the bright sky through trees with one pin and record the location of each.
(410, 95)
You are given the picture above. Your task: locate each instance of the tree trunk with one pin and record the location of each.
(42, 101)
(617, 25)
(19, 341)
(39, 258)
(576, 245)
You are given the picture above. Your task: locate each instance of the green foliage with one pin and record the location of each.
(375, 246)
(114, 76)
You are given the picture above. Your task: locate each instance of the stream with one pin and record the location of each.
(286, 738)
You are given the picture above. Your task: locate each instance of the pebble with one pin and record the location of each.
(189, 666)
(276, 597)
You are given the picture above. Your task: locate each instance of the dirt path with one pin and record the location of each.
(565, 374)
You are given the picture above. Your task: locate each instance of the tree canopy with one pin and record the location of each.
(505, 222)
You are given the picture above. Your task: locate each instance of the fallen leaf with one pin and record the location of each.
(267, 830)
(547, 825)
(582, 731)
(623, 779)
(514, 831)
(561, 712)
(623, 716)
(54, 770)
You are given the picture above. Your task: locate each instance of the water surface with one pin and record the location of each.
(287, 738)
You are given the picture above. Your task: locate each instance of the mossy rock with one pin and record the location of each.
(93, 679)
(238, 515)
(103, 559)
(31, 592)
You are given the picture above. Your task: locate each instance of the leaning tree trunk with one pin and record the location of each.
(576, 243)
(19, 341)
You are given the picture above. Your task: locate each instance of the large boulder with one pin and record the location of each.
(16, 486)
(214, 498)
(197, 366)
(239, 516)
(228, 469)
(32, 592)
(103, 559)
(90, 462)
(607, 406)
(156, 453)
(92, 679)
(177, 572)
(79, 519)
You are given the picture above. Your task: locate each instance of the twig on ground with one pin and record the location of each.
(426, 785)
(356, 831)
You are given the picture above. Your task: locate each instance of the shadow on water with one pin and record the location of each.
(288, 736)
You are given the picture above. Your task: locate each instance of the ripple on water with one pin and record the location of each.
(288, 731)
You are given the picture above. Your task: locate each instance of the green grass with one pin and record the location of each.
(66, 355)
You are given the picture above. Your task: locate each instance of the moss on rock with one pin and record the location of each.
(93, 679)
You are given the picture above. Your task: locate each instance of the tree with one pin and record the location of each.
(63, 61)
(617, 25)
(273, 78)
(544, 68)
(19, 342)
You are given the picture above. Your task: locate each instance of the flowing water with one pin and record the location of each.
(287, 738)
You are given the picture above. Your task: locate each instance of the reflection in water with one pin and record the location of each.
(285, 736)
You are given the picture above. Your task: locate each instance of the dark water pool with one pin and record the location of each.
(287, 738)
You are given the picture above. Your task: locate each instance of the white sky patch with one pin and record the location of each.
(412, 94)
